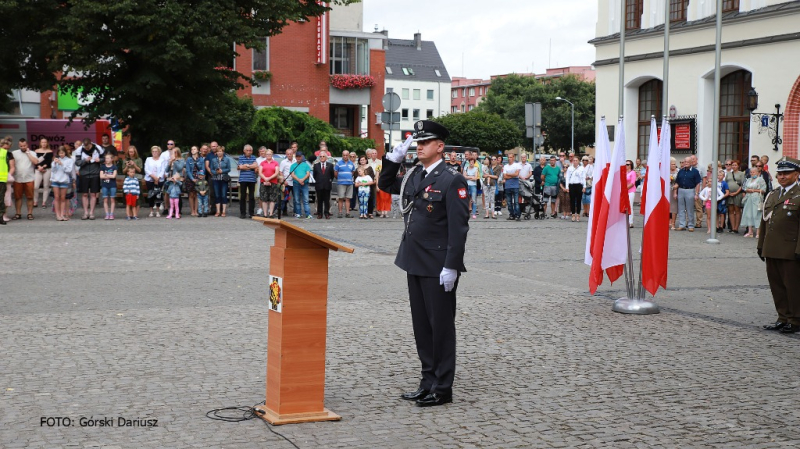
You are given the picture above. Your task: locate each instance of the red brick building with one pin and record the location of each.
(301, 61)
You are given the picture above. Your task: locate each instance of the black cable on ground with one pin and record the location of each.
(239, 414)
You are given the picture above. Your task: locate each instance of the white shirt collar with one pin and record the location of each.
(430, 168)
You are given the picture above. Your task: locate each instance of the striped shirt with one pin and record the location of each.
(248, 175)
(131, 185)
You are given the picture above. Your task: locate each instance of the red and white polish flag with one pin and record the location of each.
(599, 177)
(610, 239)
(655, 207)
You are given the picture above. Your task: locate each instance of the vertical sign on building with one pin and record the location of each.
(322, 36)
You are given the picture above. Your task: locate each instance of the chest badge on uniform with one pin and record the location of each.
(430, 208)
(462, 193)
(425, 195)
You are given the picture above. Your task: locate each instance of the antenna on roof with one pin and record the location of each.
(376, 27)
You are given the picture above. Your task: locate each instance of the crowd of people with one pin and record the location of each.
(739, 199)
(86, 174)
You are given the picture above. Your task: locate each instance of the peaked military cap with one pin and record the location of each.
(427, 130)
(788, 164)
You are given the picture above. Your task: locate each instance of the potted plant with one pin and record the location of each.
(262, 76)
(352, 81)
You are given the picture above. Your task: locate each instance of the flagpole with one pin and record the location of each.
(715, 129)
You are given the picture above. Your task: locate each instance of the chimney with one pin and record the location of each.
(418, 40)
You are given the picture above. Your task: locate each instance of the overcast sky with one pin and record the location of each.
(494, 37)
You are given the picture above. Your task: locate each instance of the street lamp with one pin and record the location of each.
(573, 121)
(766, 120)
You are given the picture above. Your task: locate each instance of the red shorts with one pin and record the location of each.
(131, 199)
(23, 189)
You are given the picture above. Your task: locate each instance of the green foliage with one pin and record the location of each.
(487, 131)
(507, 97)
(273, 125)
(159, 67)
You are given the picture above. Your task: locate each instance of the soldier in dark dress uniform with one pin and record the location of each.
(779, 246)
(435, 214)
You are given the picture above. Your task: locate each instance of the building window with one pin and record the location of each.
(677, 10)
(417, 94)
(342, 117)
(404, 114)
(388, 70)
(734, 117)
(454, 93)
(261, 58)
(464, 92)
(405, 94)
(633, 14)
(416, 114)
(730, 5)
(480, 91)
(454, 109)
(438, 73)
(349, 55)
(430, 94)
(471, 91)
(429, 114)
(471, 107)
(649, 105)
(389, 90)
(462, 108)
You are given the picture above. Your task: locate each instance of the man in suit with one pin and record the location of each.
(779, 246)
(435, 207)
(323, 177)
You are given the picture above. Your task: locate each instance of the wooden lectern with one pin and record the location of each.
(298, 278)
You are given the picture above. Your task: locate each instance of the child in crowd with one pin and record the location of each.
(131, 190)
(363, 181)
(108, 185)
(201, 186)
(60, 179)
(173, 188)
(705, 197)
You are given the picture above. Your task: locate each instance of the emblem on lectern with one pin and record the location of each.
(275, 293)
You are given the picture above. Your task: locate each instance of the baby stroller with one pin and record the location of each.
(537, 205)
(526, 195)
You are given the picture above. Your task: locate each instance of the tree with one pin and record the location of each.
(489, 132)
(156, 66)
(273, 125)
(507, 97)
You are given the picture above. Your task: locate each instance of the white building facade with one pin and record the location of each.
(416, 73)
(760, 54)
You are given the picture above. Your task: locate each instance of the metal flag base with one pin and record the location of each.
(712, 241)
(635, 306)
(638, 305)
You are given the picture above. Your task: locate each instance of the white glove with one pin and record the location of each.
(448, 278)
(398, 154)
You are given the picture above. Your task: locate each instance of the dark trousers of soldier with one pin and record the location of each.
(433, 313)
(784, 282)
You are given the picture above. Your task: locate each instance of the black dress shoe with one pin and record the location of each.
(414, 395)
(435, 399)
(776, 326)
(790, 329)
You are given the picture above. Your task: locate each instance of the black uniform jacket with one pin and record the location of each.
(435, 232)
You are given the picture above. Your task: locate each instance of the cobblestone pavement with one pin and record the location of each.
(166, 320)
